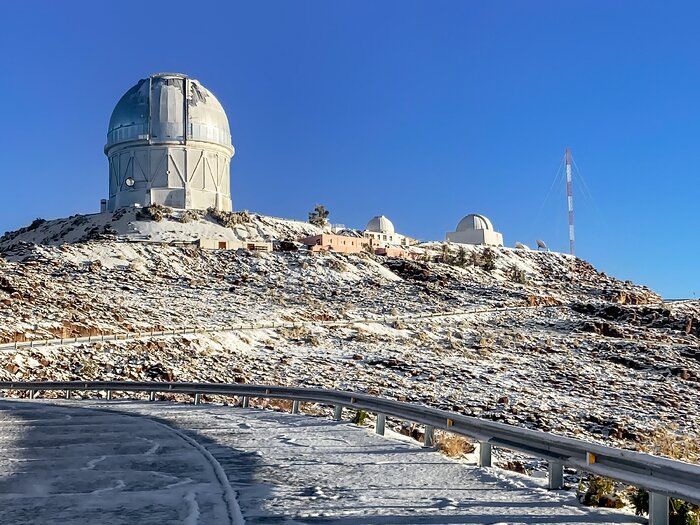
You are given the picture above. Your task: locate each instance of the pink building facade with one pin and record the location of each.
(334, 243)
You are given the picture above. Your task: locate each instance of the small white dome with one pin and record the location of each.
(380, 224)
(474, 221)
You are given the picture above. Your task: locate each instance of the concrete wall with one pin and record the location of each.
(258, 246)
(218, 244)
(335, 243)
(392, 252)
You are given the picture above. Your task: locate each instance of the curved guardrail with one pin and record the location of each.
(662, 477)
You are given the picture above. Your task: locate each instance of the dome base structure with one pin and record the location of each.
(169, 143)
(488, 237)
(193, 177)
(475, 229)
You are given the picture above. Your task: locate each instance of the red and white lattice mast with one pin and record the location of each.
(570, 201)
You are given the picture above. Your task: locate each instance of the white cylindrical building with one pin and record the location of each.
(475, 229)
(169, 143)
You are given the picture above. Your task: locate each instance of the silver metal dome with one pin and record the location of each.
(380, 224)
(169, 143)
(474, 221)
(168, 107)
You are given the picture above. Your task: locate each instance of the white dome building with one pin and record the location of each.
(380, 224)
(381, 233)
(169, 143)
(475, 229)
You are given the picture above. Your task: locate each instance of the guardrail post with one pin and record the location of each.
(295, 406)
(109, 395)
(338, 412)
(152, 395)
(245, 401)
(658, 509)
(429, 436)
(484, 454)
(556, 475)
(380, 425)
(197, 398)
(68, 394)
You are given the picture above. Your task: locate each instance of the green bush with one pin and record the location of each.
(360, 417)
(488, 260)
(35, 224)
(601, 493)
(680, 512)
(517, 275)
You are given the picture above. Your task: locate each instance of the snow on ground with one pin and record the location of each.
(133, 224)
(610, 364)
(71, 466)
(81, 462)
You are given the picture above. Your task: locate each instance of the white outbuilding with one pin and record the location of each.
(382, 233)
(475, 229)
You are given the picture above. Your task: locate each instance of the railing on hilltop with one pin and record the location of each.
(15, 345)
(662, 477)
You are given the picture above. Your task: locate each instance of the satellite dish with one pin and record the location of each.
(541, 245)
(521, 246)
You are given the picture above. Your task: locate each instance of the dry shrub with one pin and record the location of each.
(279, 405)
(600, 492)
(336, 264)
(454, 446)
(365, 337)
(300, 335)
(422, 336)
(666, 441)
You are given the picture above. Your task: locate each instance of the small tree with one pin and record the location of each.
(474, 258)
(489, 260)
(445, 255)
(462, 257)
(319, 217)
(517, 275)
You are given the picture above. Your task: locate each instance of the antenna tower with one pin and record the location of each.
(570, 201)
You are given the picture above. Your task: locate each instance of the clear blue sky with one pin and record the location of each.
(421, 111)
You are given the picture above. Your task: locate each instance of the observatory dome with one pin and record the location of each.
(475, 229)
(380, 224)
(168, 142)
(474, 221)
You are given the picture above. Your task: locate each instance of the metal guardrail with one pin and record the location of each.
(15, 345)
(662, 477)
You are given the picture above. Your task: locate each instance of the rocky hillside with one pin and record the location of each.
(586, 355)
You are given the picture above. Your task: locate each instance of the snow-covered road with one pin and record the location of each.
(80, 462)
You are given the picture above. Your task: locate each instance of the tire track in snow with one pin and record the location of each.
(229, 495)
(91, 464)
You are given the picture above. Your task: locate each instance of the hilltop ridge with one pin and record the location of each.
(587, 354)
